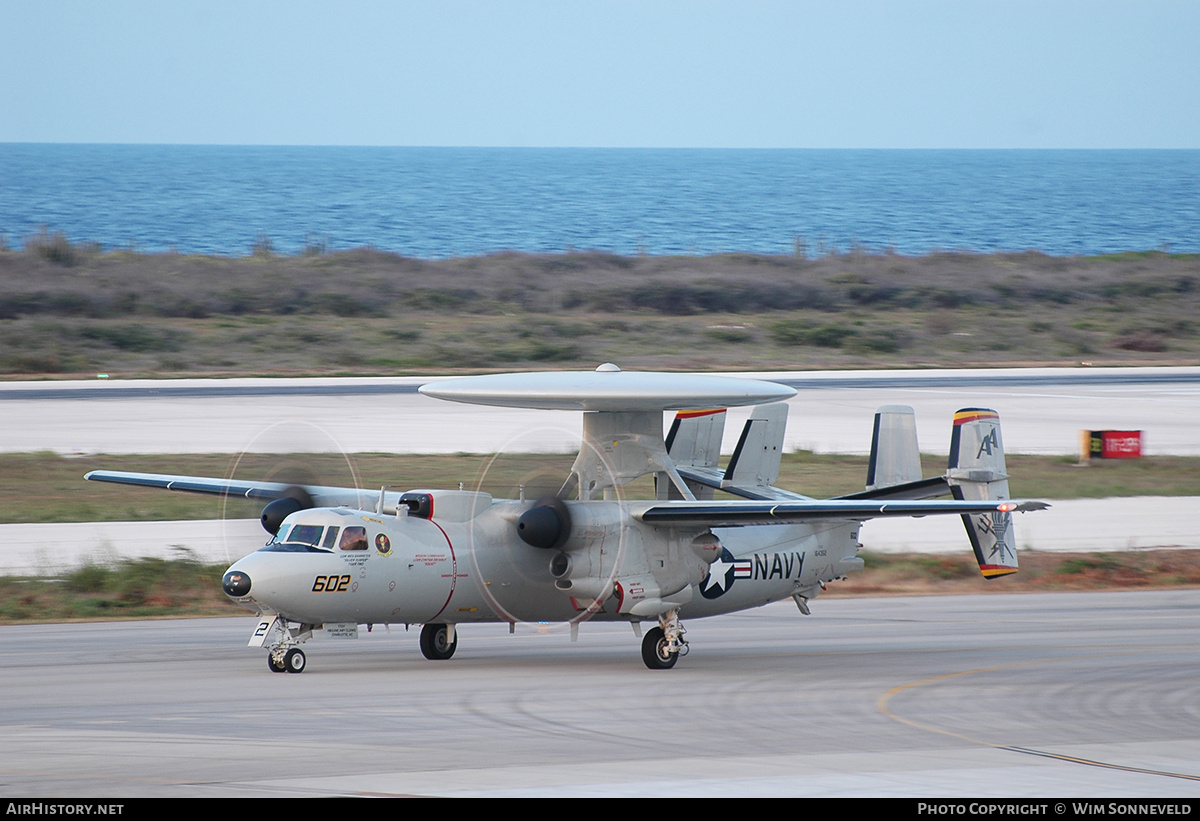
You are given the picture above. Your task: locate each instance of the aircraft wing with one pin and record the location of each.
(739, 513)
(261, 491)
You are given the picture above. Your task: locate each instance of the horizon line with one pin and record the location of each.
(594, 147)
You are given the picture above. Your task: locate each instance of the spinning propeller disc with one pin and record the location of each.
(290, 452)
(519, 467)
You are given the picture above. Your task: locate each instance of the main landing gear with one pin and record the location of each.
(438, 641)
(663, 645)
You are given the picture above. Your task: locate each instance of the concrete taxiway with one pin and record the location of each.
(1089, 694)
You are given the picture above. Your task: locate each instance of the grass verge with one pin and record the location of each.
(128, 589)
(912, 574)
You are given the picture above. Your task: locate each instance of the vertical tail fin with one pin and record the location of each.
(694, 441)
(755, 461)
(695, 437)
(895, 458)
(975, 472)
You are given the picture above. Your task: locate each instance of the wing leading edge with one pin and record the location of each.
(260, 491)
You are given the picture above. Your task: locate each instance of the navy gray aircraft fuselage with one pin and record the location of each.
(416, 570)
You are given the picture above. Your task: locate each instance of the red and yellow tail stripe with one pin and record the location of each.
(690, 414)
(974, 415)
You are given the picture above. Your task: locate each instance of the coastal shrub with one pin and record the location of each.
(315, 246)
(546, 327)
(185, 307)
(448, 299)
(1085, 564)
(56, 303)
(237, 301)
(402, 334)
(135, 337)
(870, 294)
(730, 335)
(1045, 293)
(31, 363)
(1141, 341)
(52, 246)
(792, 332)
(678, 300)
(340, 304)
(262, 246)
(687, 299)
(883, 341)
(538, 350)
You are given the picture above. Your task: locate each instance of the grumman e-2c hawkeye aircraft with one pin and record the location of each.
(444, 558)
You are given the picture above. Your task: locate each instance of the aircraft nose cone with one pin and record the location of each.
(235, 584)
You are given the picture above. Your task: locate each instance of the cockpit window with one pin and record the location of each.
(291, 547)
(330, 538)
(354, 538)
(281, 536)
(306, 534)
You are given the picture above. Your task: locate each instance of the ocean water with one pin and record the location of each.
(445, 202)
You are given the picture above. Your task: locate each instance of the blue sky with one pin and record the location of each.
(919, 74)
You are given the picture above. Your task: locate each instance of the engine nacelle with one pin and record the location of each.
(278, 510)
(546, 525)
(647, 568)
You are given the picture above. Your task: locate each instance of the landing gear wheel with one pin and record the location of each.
(275, 667)
(294, 660)
(656, 650)
(435, 642)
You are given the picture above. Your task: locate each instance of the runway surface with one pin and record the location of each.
(1043, 410)
(988, 696)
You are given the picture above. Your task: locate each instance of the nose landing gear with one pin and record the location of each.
(283, 654)
(283, 660)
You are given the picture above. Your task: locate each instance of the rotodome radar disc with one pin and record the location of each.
(607, 389)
